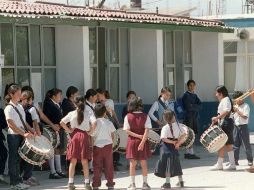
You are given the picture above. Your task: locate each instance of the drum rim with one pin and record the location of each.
(24, 157)
(51, 137)
(35, 149)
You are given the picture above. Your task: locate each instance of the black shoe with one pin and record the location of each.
(90, 171)
(193, 157)
(180, 184)
(187, 156)
(63, 175)
(236, 163)
(166, 186)
(250, 163)
(54, 176)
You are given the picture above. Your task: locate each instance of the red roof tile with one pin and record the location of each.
(24, 9)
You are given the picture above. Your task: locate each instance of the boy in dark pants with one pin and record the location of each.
(3, 150)
(241, 132)
(192, 105)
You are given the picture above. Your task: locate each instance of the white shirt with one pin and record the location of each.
(85, 125)
(110, 104)
(178, 130)
(34, 114)
(88, 108)
(225, 105)
(10, 113)
(126, 125)
(103, 132)
(245, 110)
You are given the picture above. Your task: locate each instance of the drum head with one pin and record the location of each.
(123, 140)
(40, 144)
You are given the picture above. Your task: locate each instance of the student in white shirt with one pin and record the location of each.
(17, 131)
(241, 131)
(82, 125)
(225, 121)
(103, 151)
(91, 98)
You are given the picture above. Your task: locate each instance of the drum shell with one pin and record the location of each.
(52, 136)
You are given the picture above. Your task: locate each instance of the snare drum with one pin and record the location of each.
(116, 141)
(36, 150)
(153, 140)
(123, 141)
(52, 136)
(214, 138)
(189, 137)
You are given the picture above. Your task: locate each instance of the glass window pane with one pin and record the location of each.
(170, 79)
(250, 47)
(50, 79)
(7, 78)
(113, 48)
(114, 83)
(22, 46)
(94, 77)
(49, 46)
(187, 47)
(234, 47)
(23, 77)
(35, 45)
(92, 46)
(7, 43)
(36, 84)
(169, 48)
(230, 72)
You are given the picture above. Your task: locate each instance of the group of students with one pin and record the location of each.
(91, 122)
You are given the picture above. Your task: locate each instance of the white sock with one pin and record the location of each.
(180, 178)
(145, 179)
(220, 161)
(86, 180)
(132, 179)
(58, 163)
(52, 166)
(71, 180)
(231, 157)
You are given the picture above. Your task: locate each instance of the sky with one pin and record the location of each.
(230, 6)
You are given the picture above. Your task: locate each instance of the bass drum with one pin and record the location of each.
(189, 138)
(51, 135)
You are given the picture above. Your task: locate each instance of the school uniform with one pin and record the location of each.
(89, 106)
(169, 161)
(158, 108)
(137, 122)
(103, 152)
(3, 150)
(241, 132)
(54, 113)
(79, 145)
(192, 105)
(14, 141)
(226, 123)
(67, 106)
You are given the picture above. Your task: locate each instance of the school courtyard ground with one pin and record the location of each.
(196, 176)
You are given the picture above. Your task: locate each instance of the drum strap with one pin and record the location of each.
(20, 116)
(90, 106)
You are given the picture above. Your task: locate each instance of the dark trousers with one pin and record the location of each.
(191, 121)
(242, 136)
(14, 142)
(103, 159)
(27, 170)
(3, 157)
(116, 157)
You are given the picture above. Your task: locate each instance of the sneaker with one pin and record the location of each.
(250, 163)
(180, 184)
(146, 186)
(54, 176)
(88, 186)
(217, 167)
(166, 186)
(29, 182)
(17, 187)
(34, 180)
(230, 167)
(132, 187)
(71, 186)
(2, 180)
(62, 174)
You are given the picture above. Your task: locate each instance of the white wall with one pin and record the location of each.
(207, 57)
(143, 63)
(72, 57)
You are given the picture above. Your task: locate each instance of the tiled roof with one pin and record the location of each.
(42, 10)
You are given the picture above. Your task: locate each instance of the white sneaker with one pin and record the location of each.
(132, 187)
(19, 186)
(25, 186)
(230, 167)
(217, 167)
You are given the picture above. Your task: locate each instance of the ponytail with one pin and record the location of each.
(10, 89)
(79, 101)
